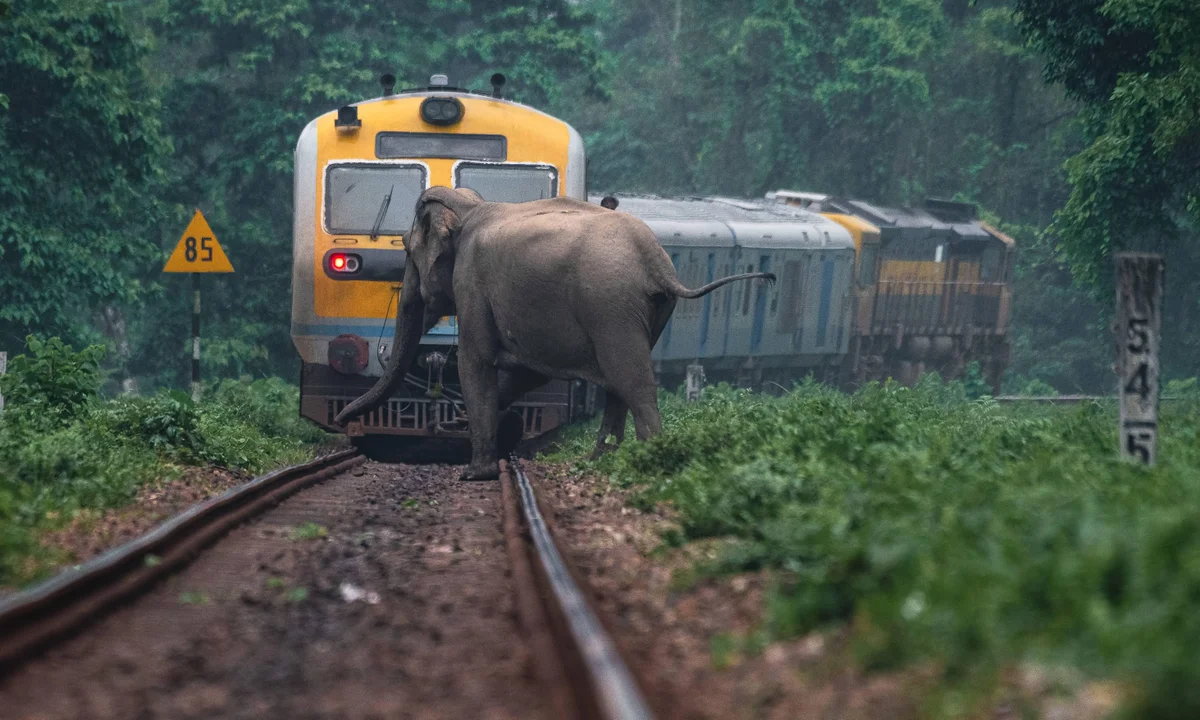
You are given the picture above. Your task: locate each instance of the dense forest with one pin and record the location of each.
(1074, 123)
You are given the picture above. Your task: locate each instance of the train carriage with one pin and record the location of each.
(358, 173)
(752, 333)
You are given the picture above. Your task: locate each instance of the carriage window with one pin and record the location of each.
(774, 298)
(746, 293)
(793, 279)
(355, 194)
(508, 183)
(720, 295)
(441, 145)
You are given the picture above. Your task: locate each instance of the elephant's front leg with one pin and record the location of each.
(481, 391)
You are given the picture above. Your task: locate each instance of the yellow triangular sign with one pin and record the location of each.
(198, 250)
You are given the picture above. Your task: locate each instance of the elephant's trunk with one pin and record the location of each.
(410, 326)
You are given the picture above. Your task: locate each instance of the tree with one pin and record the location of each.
(80, 150)
(888, 101)
(1136, 66)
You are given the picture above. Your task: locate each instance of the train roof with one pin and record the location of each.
(729, 222)
(938, 217)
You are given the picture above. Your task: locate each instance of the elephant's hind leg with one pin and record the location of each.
(513, 385)
(629, 373)
(613, 424)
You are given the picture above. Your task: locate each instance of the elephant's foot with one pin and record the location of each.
(481, 471)
(601, 449)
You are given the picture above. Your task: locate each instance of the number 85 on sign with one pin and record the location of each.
(198, 250)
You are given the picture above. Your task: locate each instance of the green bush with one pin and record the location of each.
(51, 382)
(167, 423)
(271, 404)
(63, 450)
(939, 528)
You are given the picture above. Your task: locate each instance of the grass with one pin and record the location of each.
(965, 535)
(65, 452)
(309, 531)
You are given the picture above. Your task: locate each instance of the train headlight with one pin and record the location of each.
(348, 354)
(441, 110)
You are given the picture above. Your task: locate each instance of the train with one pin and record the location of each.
(863, 292)
(358, 171)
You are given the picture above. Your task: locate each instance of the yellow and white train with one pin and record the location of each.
(358, 173)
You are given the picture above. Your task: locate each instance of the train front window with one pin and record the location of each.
(508, 182)
(354, 195)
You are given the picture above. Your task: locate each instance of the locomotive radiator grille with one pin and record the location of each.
(433, 417)
(934, 306)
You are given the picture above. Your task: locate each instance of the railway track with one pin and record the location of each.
(337, 588)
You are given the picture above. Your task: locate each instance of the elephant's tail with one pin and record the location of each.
(679, 290)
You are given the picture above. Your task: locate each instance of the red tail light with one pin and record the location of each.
(344, 263)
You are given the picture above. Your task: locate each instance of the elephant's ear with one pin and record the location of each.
(439, 224)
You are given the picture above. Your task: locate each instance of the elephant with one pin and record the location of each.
(555, 288)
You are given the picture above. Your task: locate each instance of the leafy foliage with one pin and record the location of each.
(81, 141)
(65, 453)
(884, 100)
(1136, 186)
(52, 382)
(966, 533)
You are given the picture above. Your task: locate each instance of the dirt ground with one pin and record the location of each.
(382, 593)
(673, 634)
(88, 536)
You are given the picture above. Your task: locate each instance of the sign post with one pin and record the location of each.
(197, 252)
(1138, 333)
(694, 382)
(3, 369)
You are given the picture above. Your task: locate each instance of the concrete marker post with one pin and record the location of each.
(1138, 329)
(695, 382)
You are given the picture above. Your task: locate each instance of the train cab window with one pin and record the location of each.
(866, 265)
(355, 195)
(508, 182)
(989, 265)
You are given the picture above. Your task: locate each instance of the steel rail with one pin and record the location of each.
(610, 680)
(34, 618)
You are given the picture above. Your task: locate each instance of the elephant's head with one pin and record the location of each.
(431, 246)
(428, 292)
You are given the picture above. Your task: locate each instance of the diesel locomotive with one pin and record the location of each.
(358, 173)
(941, 297)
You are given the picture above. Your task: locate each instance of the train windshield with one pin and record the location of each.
(508, 183)
(355, 193)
